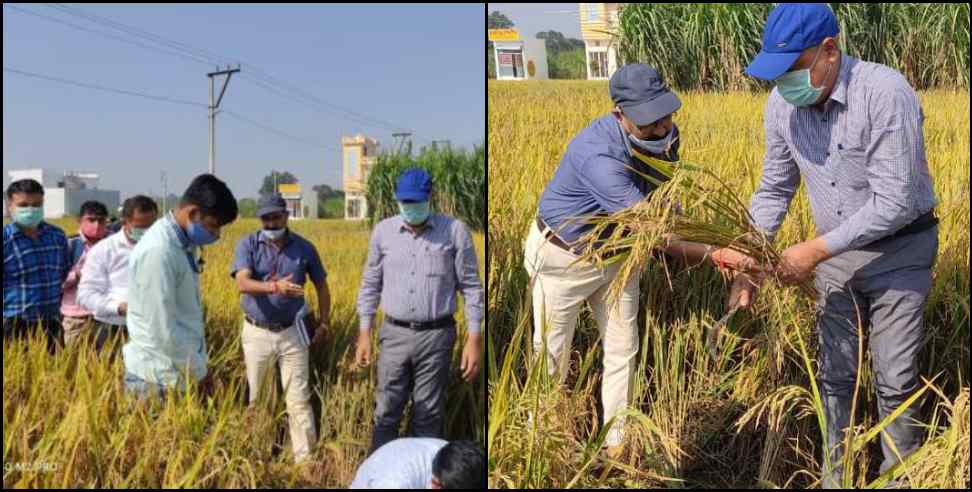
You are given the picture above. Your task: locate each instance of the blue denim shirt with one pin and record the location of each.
(593, 178)
(266, 262)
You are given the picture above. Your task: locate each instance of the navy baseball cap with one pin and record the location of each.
(414, 185)
(790, 29)
(270, 204)
(642, 94)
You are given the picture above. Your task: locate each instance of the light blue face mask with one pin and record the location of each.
(665, 146)
(795, 87)
(415, 213)
(136, 234)
(29, 217)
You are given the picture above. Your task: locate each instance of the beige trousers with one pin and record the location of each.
(560, 288)
(263, 350)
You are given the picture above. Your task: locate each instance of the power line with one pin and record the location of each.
(232, 114)
(102, 88)
(261, 75)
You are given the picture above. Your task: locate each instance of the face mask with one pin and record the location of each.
(93, 231)
(415, 213)
(795, 86)
(274, 234)
(666, 146)
(29, 217)
(136, 234)
(199, 236)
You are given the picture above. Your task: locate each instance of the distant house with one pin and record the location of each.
(64, 193)
(360, 154)
(301, 203)
(597, 21)
(518, 59)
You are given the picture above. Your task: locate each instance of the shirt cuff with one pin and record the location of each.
(474, 327)
(366, 322)
(111, 309)
(836, 241)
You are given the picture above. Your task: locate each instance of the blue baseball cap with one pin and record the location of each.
(642, 94)
(790, 29)
(414, 185)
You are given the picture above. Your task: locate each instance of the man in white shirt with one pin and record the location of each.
(104, 279)
(419, 463)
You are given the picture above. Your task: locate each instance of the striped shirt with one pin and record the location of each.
(416, 278)
(862, 158)
(33, 272)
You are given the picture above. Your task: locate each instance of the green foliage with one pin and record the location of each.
(459, 183)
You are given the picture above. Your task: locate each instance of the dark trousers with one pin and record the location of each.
(412, 365)
(105, 334)
(18, 329)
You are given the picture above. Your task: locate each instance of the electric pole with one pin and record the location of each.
(404, 141)
(165, 194)
(213, 107)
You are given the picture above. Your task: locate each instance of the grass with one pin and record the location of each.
(67, 424)
(751, 417)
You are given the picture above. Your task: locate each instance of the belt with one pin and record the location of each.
(272, 327)
(921, 224)
(556, 241)
(550, 236)
(448, 322)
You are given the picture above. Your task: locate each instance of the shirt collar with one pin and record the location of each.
(430, 224)
(839, 94)
(180, 234)
(16, 231)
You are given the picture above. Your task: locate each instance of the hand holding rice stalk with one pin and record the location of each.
(684, 207)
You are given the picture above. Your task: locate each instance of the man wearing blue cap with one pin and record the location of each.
(271, 268)
(852, 130)
(601, 173)
(417, 263)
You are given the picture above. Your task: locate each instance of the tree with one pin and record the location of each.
(556, 42)
(281, 178)
(496, 20)
(248, 208)
(327, 197)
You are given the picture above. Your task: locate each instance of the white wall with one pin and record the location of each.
(535, 50)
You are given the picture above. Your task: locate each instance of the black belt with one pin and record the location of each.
(272, 327)
(921, 224)
(422, 326)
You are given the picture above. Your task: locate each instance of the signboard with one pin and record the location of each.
(506, 58)
(288, 189)
(504, 35)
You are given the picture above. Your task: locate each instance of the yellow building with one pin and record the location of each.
(597, 21)
(360, 153)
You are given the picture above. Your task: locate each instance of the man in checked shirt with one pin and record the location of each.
(417, 263)
(853, 131)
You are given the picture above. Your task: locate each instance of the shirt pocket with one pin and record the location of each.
(442, 260)
(853, 168)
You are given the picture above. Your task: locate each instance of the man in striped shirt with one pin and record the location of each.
(853, 131)
(35, 265)
(417, 264)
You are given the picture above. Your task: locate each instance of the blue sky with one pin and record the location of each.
(531, 18)
(410, 65)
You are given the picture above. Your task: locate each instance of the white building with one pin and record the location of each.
(301, 202)
(64, 193)
(597, 21)
(518, 59)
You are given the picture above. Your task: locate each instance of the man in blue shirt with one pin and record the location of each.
(417, 264)
(167, 339)
(598, 176)
(35, 265)
(270, 269)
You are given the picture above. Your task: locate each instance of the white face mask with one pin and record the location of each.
(274, 234)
